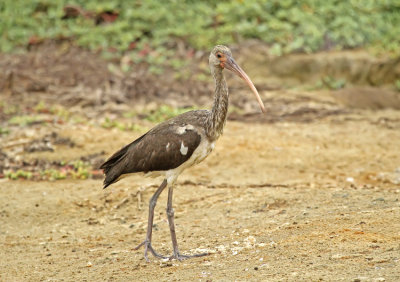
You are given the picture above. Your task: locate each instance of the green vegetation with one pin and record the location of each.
(76, 170)
(397, 84)
(8, 109)
(332, 83)
(52, 174)
(4, 131)
(81, 170)
(109, 123)
(148, 29)
(24, 120)
(41, 113)
(19, 174)
(165, 112)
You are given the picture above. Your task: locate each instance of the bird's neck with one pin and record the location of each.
(217, 118)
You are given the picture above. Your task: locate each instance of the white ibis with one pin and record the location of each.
(176, 144)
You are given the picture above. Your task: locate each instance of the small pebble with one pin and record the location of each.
(166, 264)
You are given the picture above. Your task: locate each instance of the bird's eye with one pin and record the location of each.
(219, 55)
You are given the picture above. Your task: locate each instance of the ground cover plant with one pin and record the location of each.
(147, 29)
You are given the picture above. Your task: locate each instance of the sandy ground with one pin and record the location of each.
(277, 201)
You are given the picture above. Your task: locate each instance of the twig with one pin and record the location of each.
(202, 198)
(123, 202)
(139, 196)
(16, 143)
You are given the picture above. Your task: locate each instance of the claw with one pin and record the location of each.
(148, 247)
(180, 257)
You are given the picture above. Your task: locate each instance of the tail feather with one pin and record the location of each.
(113, 167)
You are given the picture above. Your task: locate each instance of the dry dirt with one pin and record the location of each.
(316, 199)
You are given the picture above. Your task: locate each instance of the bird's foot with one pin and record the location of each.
(148, 247)
(180, 257)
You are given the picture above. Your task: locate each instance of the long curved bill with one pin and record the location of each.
(231, 65)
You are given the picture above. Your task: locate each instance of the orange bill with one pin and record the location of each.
(231, 65)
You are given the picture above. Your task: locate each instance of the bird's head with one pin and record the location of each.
(221, 57)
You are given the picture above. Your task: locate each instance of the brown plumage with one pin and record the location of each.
(152, 153)
(178, 143)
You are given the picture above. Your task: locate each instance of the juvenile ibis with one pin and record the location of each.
(176, 144)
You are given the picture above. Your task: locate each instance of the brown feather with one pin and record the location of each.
(151, 151)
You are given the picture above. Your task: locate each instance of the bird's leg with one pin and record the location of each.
(170, 215)
(147, 241)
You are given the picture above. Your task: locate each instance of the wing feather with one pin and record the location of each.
(163, 148)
